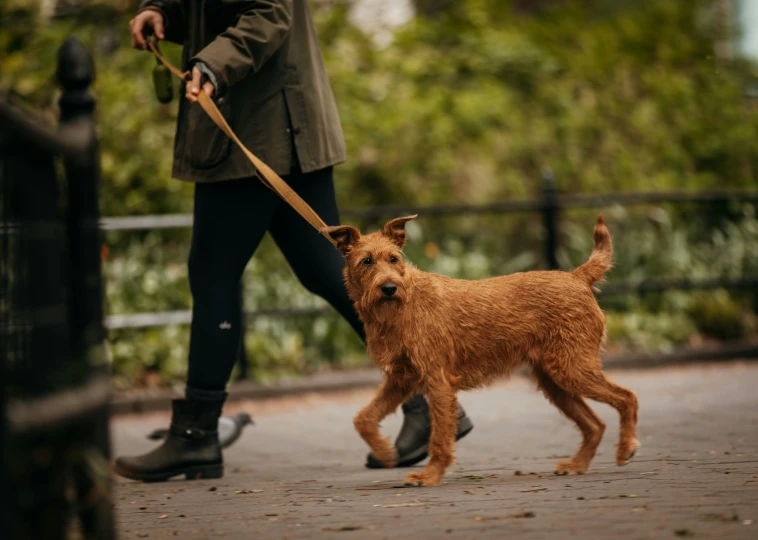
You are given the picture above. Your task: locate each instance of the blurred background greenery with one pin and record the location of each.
(464, 102)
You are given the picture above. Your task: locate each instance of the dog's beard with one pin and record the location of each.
(381, 307)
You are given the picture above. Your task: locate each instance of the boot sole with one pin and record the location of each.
(196, 472)
(421, 453)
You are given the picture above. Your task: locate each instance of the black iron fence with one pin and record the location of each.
(55, 383)
(549, 205)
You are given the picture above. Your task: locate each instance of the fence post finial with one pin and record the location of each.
(75, 73)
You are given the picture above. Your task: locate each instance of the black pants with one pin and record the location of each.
(230, 219)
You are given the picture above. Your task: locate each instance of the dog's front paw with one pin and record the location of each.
(386, 455)
(570, 467)
(625, 451)
(423, 478)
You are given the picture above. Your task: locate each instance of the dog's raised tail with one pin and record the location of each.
(593, 271)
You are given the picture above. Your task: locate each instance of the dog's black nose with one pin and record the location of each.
(389, 289)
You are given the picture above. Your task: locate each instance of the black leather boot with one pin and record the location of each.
(412, 443)
(191, 447)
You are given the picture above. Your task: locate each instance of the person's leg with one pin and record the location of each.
(318, 266)
(230, 219)
(315, 261)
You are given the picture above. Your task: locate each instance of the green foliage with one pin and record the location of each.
(468, 105)
(631, 99)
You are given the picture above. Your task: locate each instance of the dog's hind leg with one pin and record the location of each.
(575, 408)
(443, 411)
(366, 422)
(589, 381)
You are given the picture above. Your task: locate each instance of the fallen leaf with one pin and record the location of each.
(519, 473)
(248, 490)
(527, 514)
(478, 476)
(722, 517)
(164, 516)
(212, 488)
(519, 515)
(383, 487)
(401, 505)
(684, 532)
(344, 528)
(628, 496)
(533, 489)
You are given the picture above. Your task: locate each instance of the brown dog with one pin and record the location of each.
(436, 335)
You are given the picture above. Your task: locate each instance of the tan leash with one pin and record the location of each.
(269, 178)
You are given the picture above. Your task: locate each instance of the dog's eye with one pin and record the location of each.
(393, 259)
(367, 261)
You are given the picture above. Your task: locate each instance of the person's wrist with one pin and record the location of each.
(205, 65)
(209, 76)
(207, 73)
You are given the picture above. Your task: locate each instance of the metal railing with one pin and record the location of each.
(55, 386)
(549, 205)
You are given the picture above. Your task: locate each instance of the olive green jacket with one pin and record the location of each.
(272, 88)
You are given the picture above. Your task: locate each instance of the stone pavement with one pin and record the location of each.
(298, 473)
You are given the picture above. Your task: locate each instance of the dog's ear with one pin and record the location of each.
(343, 235)
(395, 229)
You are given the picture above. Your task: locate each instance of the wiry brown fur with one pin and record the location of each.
(437, 335)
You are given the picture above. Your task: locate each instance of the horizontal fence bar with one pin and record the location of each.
(659, 285)
(33, 131)
(137, 223)
(166, 318)
(172, 221)
(631, 198)
(149, 320)
(61, 409)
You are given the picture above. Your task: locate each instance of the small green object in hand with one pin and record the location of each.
(164, 89)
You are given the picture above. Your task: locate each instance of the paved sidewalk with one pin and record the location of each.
(298, 473)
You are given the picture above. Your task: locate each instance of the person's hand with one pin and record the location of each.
(193, 87)
(145, 20)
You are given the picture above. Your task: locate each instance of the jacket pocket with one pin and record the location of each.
(207, 144)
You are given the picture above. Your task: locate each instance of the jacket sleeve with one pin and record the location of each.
(173, 17)
(245, 47)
